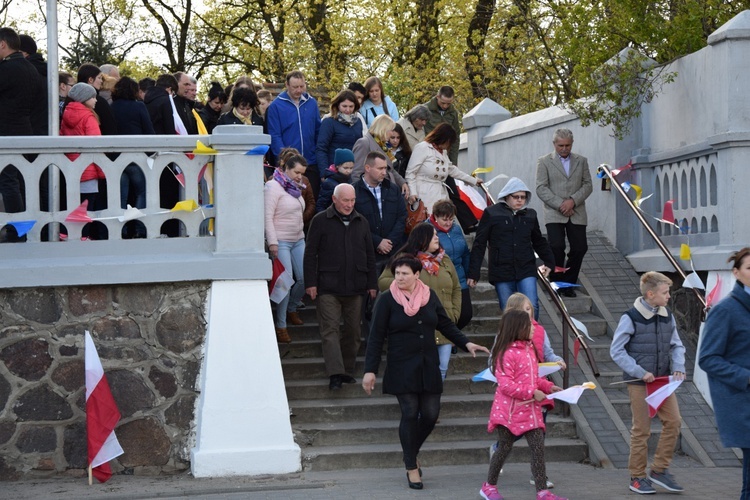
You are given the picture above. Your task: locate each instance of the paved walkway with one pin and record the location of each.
(575, 481)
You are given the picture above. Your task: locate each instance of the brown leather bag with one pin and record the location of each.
(416, 213)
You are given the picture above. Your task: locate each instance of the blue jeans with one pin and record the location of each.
(444, 352)
(133, 187)
(526, 286)
(291, 254)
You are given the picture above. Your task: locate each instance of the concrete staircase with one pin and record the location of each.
(346, 429)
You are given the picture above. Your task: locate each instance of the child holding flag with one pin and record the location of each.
(647, 346)
(517, 407)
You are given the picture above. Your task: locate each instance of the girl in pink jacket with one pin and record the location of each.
(517, 409)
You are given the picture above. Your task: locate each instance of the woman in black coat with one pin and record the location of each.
(408, 315)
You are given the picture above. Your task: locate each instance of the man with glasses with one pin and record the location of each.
(563, 182)
(512, 231)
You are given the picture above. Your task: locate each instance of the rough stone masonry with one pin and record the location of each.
(149, 338)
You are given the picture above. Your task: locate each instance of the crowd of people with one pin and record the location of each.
(339, 190)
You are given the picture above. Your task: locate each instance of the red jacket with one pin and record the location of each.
(518, 377)
(77, 119)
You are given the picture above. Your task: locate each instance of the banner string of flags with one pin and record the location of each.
(79, 214)
(692, 280)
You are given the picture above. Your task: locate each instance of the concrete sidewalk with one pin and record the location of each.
(575, 481)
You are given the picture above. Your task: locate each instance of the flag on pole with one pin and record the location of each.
(475, 201)
(572, 394)
(281, 282)
(179, 127)
(102, 415)
(658, 391)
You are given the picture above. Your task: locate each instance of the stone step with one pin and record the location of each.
(313, 348)
(481, 324)
(434, 453)
(577, 305)
(386, 431)
(311, 368)
(342, 409)
(318, 388)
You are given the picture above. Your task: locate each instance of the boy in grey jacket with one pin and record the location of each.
(646, 345)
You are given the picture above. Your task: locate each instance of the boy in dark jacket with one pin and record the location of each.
(646, 345)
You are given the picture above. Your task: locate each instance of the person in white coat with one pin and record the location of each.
(430, 166)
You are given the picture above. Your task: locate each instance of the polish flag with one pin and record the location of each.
(475, 201)
(658, 391)
(179, 127)
(102, 415)
(281, 282)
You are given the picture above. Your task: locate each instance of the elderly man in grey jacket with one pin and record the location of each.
(563, 182)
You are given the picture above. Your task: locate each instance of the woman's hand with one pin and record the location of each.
(544, 270)
(274, 251)
(539, 396)
(405, 190)
(473, 348)
(368, 382)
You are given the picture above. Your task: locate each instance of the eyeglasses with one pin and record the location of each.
(518, 197)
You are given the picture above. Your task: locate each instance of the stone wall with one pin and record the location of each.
(149, 338)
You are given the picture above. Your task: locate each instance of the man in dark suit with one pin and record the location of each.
(563, 182)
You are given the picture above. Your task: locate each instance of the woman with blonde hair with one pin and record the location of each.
(377, 103)
(376, 139)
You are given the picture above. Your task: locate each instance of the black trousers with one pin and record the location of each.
(576, 234)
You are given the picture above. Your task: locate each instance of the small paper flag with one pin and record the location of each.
(79, 214)
(150, 162)
(572, 394)
(617, 171)
(557, 285)
(482, 170)
(484, 376)
(581, 328)
(22, 226)
(684, 252)
(131, 214)
(576, 350)
(668, 212)
(658, 391)
(186, 206)
(202, 149)
(548, 368)
(715, 291)
(258, 150)
(692, 280)
(179, 175)
(559, 269)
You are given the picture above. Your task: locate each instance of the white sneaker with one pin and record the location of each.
(550, 484)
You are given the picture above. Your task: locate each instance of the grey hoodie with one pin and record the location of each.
(514, 185)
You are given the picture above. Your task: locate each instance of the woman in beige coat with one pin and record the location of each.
(438, 273)
(430, 166)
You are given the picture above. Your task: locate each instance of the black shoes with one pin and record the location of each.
(568, 292)
(347, 379)
(415, 486)
(335, 383)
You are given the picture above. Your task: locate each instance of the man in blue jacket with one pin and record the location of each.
(293, 121)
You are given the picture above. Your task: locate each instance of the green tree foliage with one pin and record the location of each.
(524, 54)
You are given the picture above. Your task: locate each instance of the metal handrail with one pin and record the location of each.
(567, 320)
(618, 188)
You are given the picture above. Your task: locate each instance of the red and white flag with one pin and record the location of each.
(179, 127)
(281, 282)
(102, 415)
(475, 201)
(658, 391)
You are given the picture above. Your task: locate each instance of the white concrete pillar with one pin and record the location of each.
(242, 414)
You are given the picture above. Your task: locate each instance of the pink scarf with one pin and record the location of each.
(413, 301)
